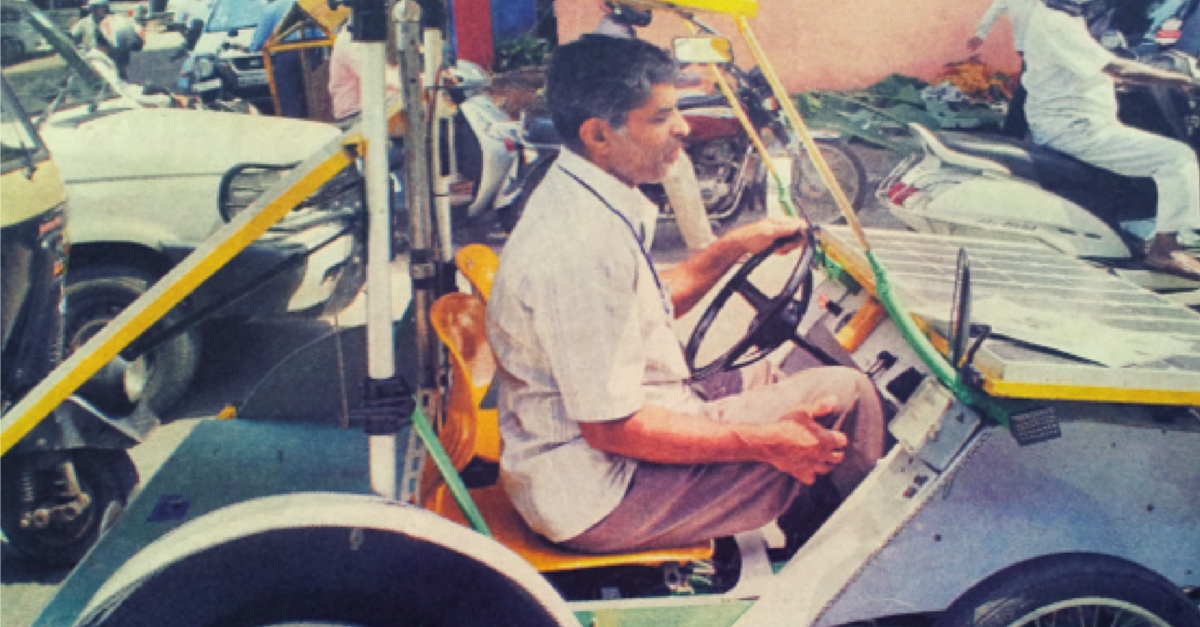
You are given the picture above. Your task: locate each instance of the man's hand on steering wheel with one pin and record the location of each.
(757, 237)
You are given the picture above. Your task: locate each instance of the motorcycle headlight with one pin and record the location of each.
(205, 67)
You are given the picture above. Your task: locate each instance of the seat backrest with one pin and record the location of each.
(468, 431)
(478, 263)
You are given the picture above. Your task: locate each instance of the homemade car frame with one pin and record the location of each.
(1026, 484)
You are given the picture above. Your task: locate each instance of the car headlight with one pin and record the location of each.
(205, 68)
(242, 185)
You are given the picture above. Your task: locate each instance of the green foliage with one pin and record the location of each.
(525, 51)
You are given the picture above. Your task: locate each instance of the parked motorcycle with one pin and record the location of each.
(731, 176)
(1001, 188)
(728, 167)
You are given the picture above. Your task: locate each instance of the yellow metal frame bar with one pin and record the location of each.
(1043, 391)
(732, 8)
(216, 251)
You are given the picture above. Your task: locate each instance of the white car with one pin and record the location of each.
(149, 185)
(17, 38)
(221, 64)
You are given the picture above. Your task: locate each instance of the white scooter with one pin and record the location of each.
(481, 149)
(987, 186)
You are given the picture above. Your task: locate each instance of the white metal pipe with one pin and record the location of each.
(382, 454)
(381, 360)
(380, 352)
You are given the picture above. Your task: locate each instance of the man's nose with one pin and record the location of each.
(680, 128)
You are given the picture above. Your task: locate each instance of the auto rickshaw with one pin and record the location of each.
(1028, 485)
(65, 482)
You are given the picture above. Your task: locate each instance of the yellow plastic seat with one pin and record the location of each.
(469, 432)
(478, 263)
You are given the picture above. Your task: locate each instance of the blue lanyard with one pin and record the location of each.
(632, 231)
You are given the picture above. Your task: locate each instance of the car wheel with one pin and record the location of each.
(1074, 590)
(61, 537)
(156, 379)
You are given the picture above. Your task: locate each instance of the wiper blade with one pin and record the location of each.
(54, 104)
(27, 157)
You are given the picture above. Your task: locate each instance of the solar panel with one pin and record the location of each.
(1063, 324)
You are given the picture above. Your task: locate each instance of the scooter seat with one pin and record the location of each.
(1047, 167)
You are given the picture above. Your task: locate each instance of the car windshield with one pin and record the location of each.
(55, 75)
(234, 14)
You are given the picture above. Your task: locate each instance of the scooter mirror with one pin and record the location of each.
(703, 50)
(960, 315)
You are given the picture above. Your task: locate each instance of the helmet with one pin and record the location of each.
(97, 3)
(625, 14)
(469, 76)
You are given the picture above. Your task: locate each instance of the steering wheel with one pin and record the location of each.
(776, 317)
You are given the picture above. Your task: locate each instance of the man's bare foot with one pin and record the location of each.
(1165, 255)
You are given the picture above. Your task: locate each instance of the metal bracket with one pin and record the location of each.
(387, 403)
(933, 426)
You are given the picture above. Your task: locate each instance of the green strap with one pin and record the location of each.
(453, 481)
(925, 350)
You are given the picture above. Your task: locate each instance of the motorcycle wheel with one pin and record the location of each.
(809, 189)
(157, 379)
(105, 476)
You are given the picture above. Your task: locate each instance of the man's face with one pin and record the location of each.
(99, 12)
(642, 150)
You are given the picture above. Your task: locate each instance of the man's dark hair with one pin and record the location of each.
(602, 77)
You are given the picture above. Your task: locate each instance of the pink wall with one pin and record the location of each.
(838, 44)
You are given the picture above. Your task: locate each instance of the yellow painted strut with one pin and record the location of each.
(213, 254)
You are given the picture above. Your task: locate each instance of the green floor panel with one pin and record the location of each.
(705, 613)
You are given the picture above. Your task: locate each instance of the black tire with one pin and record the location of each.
(155, 380)
(809, 189)
(106, 476)
(317, 576)
(1074, 590)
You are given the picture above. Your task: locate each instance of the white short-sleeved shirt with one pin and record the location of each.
(1018, 13)
(1064, 74)
(581, 333)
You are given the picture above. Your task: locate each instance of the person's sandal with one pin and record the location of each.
(1179, 264)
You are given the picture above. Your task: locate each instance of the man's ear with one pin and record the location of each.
(595, 133)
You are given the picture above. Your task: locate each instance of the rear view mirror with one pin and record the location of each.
(703, 50)
(960, 315)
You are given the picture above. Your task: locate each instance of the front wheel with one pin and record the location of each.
(1073, 591)
(156, 379)
(45, 519)
(810, 190)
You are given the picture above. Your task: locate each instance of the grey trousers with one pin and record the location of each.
(674, 505)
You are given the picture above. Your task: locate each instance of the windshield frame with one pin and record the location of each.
(33, 155)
